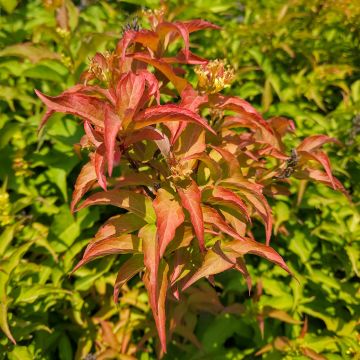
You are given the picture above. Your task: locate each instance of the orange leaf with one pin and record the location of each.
(169, 216)
(191, 200)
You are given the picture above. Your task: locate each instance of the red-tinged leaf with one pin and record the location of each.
(211, 164)
(92, 136)
(108, 334)
(241, 267)
(253, 247)
(112, 125)
(281, 125)
(179, 82)
(191, 200)
(84, 182)
(180, 58)
(230, 199)
(118, 225)
(150, 133)
(190, 99)
(261, 206)
(45, 119)
(231, 161)
(146, 133)
(166, 113)
(238, 105)
(183, 237)
(169, 216)
(161, 306)
(199, 24)
(233, 103)
(127, 270)
(314, 142)
(147, 38)
(238, 262)
(212, 217)
(180, 260)
(304, 328)
(133, 179)
(129, 90)
(213, 263)
(248, 120)
(85, 106)
(320, 176)
(322, 159)
(253, 194)
(190, 143)
(99, 164)
(136, 203)
(166, 30)
(311, 354)
(153, 85)
(158, 307)
(148, 235)
(280, 315)
(126, 243)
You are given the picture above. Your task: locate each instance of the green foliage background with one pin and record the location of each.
(293, 58)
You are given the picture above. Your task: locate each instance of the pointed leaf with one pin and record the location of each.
(315, 141)
(112, 125)
(240, 106)
(84, 182)
(253, 194)
(163, 287)
(118, 225)
(212, 217)
(99, 164)
(4, 326)
(147, 38)
(191, 142)
(127, 270)
(136, 203)
(213, 263)
(230, 199)
(126, 243)
(322, 159)
(191, 200)
(169, 216)
(130, 90)
(253, 247)
(165, 29)
(165, 113)
(199, 24)
(146, 133)
(148, 235)
(192, 100)
(179, 82)
(75, 103)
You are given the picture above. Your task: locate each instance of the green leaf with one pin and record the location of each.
(65, 348)
(8, 5)
(20, 353)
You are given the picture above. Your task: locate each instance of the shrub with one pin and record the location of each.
(192, 168)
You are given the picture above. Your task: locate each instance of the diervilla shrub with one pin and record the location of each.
(193, 167)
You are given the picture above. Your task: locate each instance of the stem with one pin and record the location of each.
(135, 166)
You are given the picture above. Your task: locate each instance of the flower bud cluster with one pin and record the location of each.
(214, 76)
